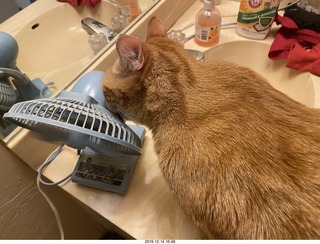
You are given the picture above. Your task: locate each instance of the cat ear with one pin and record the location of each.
(130, 52)
(156, 28)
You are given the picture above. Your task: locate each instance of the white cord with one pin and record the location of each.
(39, 180)
(46, 163)
(55, 211)
(227, 25)
(289, 5)
(193, 23)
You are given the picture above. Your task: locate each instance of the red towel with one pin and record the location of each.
(305, 60)
(288, 35)
(299, 46)
(90, 3)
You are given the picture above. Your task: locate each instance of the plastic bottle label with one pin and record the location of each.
(256, 16)
(206, 33)
(263, 17)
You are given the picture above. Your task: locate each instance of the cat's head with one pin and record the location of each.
(145, 82)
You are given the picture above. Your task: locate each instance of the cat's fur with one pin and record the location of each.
(241, 158)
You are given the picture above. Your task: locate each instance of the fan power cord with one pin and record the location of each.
(289, 5)
(40, 180)
(46, 163)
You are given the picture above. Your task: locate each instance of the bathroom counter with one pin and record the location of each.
(147, 210)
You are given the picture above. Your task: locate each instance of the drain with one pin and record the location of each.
(35, 26)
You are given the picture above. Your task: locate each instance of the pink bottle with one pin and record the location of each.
(208, 23)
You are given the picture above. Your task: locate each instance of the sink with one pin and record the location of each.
(54, 46)
(300, 86)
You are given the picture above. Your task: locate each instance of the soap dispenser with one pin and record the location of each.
(207, 25)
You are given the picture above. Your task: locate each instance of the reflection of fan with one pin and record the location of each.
(11, 77)
(79, 119)
(14, 85)
(19, 88)
(7, 95)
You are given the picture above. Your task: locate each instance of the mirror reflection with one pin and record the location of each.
(42, 55)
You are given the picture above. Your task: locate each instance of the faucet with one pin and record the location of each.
(92, 26)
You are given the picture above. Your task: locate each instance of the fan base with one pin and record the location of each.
(110, 172)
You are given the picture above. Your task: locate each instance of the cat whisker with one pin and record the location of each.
(122, 116)
(127, 116)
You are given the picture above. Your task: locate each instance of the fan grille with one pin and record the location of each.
(100, 125)
(7, 96)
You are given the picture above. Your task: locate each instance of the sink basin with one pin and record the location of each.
(54, 46)
(297, 85)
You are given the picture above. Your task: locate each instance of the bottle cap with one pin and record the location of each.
(208, 4)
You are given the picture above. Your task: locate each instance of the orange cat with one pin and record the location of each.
(241, 158)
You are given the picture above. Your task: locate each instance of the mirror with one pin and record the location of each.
(55, 46)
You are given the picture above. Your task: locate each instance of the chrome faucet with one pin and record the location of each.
(93, 26)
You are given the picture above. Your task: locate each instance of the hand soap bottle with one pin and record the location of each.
(208, 23)
(128, 8)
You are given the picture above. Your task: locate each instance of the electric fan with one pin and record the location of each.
(80, 119)
(14, 85)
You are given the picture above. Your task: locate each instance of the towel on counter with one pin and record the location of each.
(288, 35)
(298, 46)
(90, 3)
(305, 60)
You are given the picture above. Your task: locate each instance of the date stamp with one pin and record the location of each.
(159, 241)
